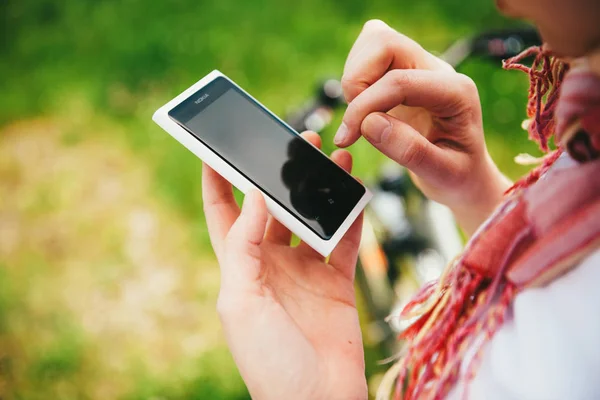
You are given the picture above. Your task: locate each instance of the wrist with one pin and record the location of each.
(481, 198)
(350, 390)
(349, 383)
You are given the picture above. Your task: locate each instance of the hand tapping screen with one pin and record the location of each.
(271, 155)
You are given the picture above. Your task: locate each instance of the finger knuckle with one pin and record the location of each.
(443, 64)
(414, 154)
(384, 36)
(237, 244)
(399, 78)
(375, 25)
(353, 243)
(351, 113)
(350, 87)
(469, 100)
(226, 306)
(222, 306)
(467, 84)
(208, 206)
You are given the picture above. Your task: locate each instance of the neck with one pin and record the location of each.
(593, 60)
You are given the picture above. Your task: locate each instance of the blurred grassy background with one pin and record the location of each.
(107, 281)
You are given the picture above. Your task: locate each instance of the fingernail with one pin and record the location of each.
(376, 128)
(341, 134)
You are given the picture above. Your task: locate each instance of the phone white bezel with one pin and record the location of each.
(161, 117)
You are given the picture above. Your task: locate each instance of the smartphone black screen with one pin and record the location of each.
(271, 155)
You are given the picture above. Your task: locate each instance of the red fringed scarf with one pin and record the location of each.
(546, 75)
(529, 241)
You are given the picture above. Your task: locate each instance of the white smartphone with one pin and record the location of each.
(252, 148)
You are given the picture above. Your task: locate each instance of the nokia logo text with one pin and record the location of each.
(201, 98)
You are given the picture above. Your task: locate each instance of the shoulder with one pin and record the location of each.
(550, 346)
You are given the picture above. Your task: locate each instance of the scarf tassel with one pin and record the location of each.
(442, 335)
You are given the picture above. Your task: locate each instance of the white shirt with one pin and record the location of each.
(549, 347)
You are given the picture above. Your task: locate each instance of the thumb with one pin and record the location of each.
(403, 144)
(241, 266)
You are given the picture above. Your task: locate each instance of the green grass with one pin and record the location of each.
(94, 72)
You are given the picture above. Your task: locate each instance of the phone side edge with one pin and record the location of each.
(352, 216)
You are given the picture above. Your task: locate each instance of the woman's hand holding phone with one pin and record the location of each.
(289, 316)
(418, 111)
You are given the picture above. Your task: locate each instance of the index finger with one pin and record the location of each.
(378, 49)
(445, 95)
